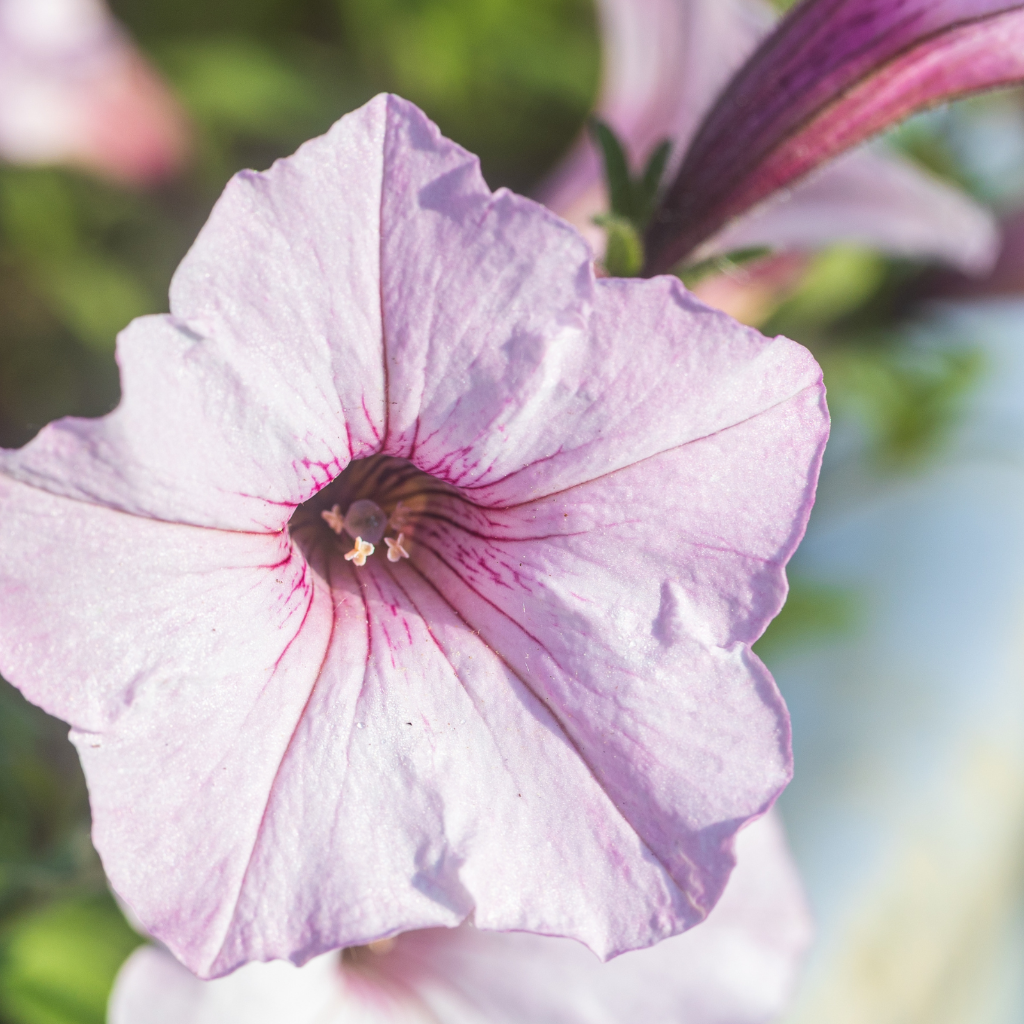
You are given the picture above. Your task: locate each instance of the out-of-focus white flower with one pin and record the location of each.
(73, 89)
(738, 967)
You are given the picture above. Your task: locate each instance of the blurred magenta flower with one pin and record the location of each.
(547, 716)
(736, 968)
(834, 73)
(666, 61)
(74, 90)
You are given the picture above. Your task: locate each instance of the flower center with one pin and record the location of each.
(376, 499)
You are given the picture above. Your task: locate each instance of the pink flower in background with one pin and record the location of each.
(832, 74)
(547, 716)
(74, 90)
(737, 968)
(666, 61)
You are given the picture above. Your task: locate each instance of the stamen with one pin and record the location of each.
(381, 946)
(360, 552)
(396, 548)
(399, 518)
(334, 519)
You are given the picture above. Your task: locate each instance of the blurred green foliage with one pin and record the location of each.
(907, 399)
(978, 144)
(85, 247)
(44, 820)
(848, 308)
(812, 612)
(839, 281)
(58, 963)
(61, 936)
(511, 80)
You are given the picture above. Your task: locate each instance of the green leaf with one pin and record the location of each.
(629, 198)
(59, 963)
(624, 255)
(632, 201)
(650, 182)
(616, 168)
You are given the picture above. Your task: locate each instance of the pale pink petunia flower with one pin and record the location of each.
(548, 717)
(666, 61)
(74, 90)
(738, 967)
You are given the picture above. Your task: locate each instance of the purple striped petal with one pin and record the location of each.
(833, 74)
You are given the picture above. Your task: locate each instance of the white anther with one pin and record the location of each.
(360, 552)
(334, 519)
(396, 548)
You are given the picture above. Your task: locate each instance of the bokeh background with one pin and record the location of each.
(901, 650)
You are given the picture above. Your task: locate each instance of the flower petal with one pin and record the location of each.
(737, 968)
(269, 376)
(183, 658)
(512, 372)
(593, 390)
(153, 988)
(876, 200)
(631, 635)
(438, 768)
(834, 73)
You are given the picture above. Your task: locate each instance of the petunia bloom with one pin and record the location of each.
(738, 967)
(666, 62)
(547, 717)
(834, 73)
(74, 90)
